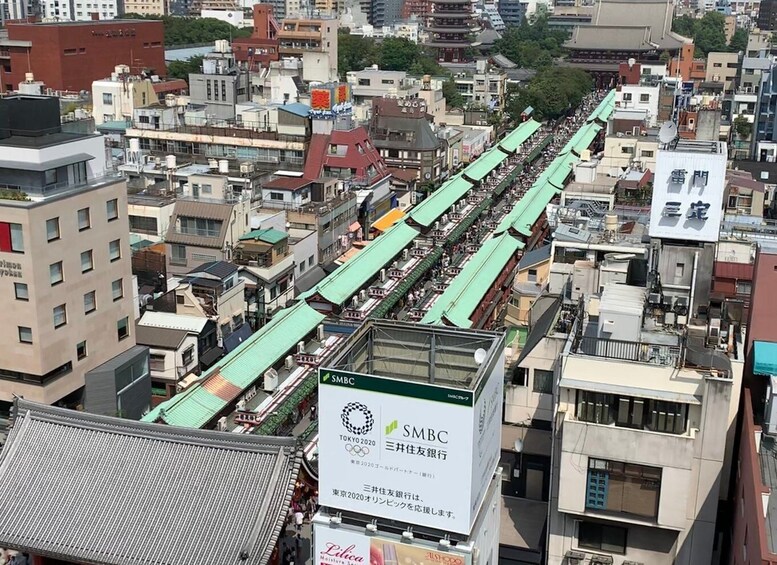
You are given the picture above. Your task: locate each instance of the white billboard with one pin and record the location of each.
(688, 189)
(417, 453)
(341, 546)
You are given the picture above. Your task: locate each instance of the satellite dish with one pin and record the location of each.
(668, 133)
(480, 356)
(632, 60)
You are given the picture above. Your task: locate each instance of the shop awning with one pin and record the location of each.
(388, 219)
(765, 358)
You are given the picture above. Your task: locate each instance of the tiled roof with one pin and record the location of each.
(219, 269)
(286, 183)
(268, 235)
(233, 374)
(115, 491)
(440, 201)
(467, 290)
(534, 257)
(341, 285)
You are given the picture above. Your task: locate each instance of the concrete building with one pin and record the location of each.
(487, 86)
(767, 15)
(723, 68)
(146, 7)
(641, 464)
(313, 41)
(71, 55)
(639, 97)
(371, 83)
(69, 312)
(81, 10)
(221, 85)
(267, 268)
(117, 97)
(512, 12)
(172, 356)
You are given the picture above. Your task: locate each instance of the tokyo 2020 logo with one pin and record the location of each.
(357, 418)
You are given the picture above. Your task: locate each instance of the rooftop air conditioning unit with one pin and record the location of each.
(355, 302)
(362, 295)
(289, 362)
(320, 332)
(300, 347)
(681, 302)
(241, 405)
(270, 380)
(222, 425)
(405, 254)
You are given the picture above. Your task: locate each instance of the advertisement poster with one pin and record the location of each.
(406, 451)
(345, 547)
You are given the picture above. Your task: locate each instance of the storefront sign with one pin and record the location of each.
(10, 269)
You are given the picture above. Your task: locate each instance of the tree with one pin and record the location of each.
(738, 41)
(552, 93)
(452, 96)
(533, 45)
(181, 69)
(191, 31)
(742, 127)
(354, 52)
(708, 33)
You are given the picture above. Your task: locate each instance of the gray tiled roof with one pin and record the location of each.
(199, 209)
(163, 338)
(97, 489)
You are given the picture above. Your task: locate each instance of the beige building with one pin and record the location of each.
(115, 98)
(643, 439)
(723, 67)
(146, 7)
(531, 280)
(315, 42)
(67, 305)
(623, 151)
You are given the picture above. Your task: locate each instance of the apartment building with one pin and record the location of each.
(639, 97)
(221, 84)
(643, 438)
(723, 68)
(373, 82)
(81, 10)
(486, 86)
(146, 7)
(67, 297)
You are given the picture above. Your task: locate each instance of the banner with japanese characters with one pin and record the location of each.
(406, 451)
(340, 546)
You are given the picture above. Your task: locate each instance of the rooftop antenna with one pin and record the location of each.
(667, 135)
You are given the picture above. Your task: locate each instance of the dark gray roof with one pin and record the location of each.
(424, 138)
(163, 338)
(199, 209)
(219, 269)
(534, 256)
(97, 489)
(540, 329)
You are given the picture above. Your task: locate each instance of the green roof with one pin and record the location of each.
(561, 168)
(467, 290)
(484, 164)
(587, 135)
(269, 235)
(241, 367)
(526, 211)
(572, 141)
(440, 201)
(515, 139)
(346, 281)
(605, 108)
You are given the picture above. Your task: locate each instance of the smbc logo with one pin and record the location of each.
(430, 435)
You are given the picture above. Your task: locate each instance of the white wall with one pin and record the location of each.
(637, 93)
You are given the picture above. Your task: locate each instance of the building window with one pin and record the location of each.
(623, 487)
(199, 226)
(601, 537)
(20, 291)
(117, 289)
(627, 96)
(188, 355)
(11, 240)
(25, 334)
(112, 209)
(52, 229)
(543, 381)
(60, 316)
(310, 261)
(114, 250)
(276, 196)
(646, 154)
(87, 261)
(679, 271)
(108, 98)
(122, 328)
(50, 177)
(520, 376)
(84, 222)
(178, 254)
(143, 224)
(81, 349)
(744, 287)
(55, 273)
(644, 97)
(532, 276)
(90, 302)
(630, 412)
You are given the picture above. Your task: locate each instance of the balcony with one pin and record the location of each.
(651, 353)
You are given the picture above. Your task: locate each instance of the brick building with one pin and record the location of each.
(71, 55)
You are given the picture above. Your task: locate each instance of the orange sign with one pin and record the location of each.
(320, 99)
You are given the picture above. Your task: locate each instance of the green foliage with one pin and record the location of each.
(451, 94)
(533, 45)
(191, 31)
(181, 69)
(552, 92)
(738, 40)
(13, 195)
(708, 33)
(355, 53)
(742, 127)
